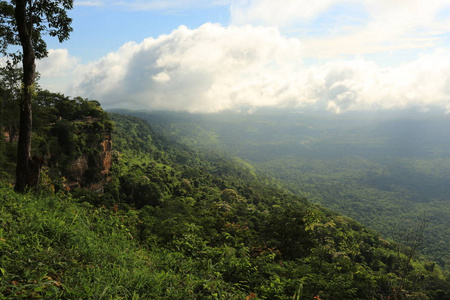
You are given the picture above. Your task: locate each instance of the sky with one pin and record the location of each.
(241, 55)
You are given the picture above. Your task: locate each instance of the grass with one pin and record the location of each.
(53, 247)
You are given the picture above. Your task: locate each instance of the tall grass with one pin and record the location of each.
(53, 247)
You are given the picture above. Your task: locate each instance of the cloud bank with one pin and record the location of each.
(214, 68)
(209, 69)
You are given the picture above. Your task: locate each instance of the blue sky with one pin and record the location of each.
(208, 56)
(102, 26)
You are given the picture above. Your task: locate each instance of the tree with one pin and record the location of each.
(23, 23)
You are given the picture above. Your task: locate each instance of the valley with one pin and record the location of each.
(387, 171)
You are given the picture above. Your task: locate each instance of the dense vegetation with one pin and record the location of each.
(178, 223)
(65, 130)
(385, 170)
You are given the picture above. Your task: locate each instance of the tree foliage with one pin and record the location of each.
(42, 18)
(24, 23)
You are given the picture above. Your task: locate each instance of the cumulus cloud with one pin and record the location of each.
(207, 69)
(214, 68)
(57, 63)
(56, 70)
(363, 85)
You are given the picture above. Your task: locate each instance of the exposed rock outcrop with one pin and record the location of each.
(93, 170)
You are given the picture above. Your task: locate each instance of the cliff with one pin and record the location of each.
(78, 145)
(92, 170)
(71, 139)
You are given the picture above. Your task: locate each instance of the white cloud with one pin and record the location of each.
(57, 63)
(215, 68)
(363, 85)
(345, 27)
(207, 69)
(88, 3)
(276, 13)
(56, 70)
(161, 77)
(391, 14)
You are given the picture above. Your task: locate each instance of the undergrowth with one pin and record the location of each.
(53, 247)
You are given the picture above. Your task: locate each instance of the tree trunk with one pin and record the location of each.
(24, 176)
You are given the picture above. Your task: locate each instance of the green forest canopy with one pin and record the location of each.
(386, 171)
(176, 222)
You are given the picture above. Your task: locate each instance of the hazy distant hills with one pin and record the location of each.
(386, 170)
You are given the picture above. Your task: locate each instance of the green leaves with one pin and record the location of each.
(46, 17)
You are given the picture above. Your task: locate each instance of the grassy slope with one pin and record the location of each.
(52, 246)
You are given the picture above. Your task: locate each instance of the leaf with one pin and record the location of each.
(39, 289)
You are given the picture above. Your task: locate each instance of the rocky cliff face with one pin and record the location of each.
(89, 170)
(92, 170)
(104, 163)
(71, 139)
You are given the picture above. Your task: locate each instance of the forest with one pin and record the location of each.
(174, 221)
(138, 205)
(386, 171)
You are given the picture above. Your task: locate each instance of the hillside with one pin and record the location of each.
(386, 171)
(71, 136)
(179, 223)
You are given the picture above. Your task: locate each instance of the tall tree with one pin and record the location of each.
(23, 23)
